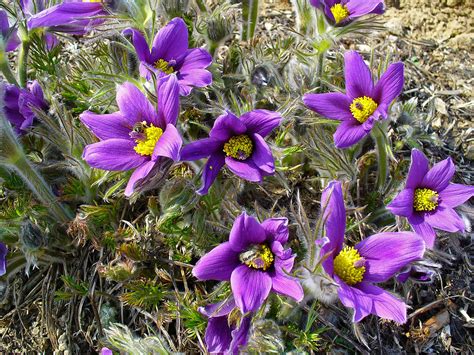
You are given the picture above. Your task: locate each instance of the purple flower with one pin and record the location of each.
(254, 261)
(21, 103)
(71, 16)
(429, 198)
(137, 136)
(363, 104)
(341, 12)
(170, 54)
(9, 34)
(238, 143)
(106, 351)
(3, 259)
(223, 333)
(373, 260)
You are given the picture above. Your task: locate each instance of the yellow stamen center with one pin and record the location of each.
(348, 265)
(362, 108)
(239, 147)
(425, 200)
(146, 145)
(259, 257)
(164, 66)
(340, 12)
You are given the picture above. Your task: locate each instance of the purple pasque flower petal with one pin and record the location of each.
(245, 232)
(106, 126)
(334, 215)
(213, 165)
(195, 58)
(240, 336)
(169, 144)
(349, 133)
(387, 253)
(287, 286)
(201, 148)
(171, 41)
(66, 14)
(439, 176)
(245, 169)
(218, 309)
(51, 41)
(402, 205)
(139, 174)
(261, 122)
(316, 3)
(262, 155)
(445, 218)
(418, 168)
(455, 194)
(227, 126)
(390, 84)
(9, 35)
(193, 78)
(139, 42)
(368, 299)
(276, 229)
(168, 100)
(218, 336)
(423, 229)
(113, 154)
(3, 259)
(106, 351)
(250, 288)
(218, 264)
(134, 105)
(358, 8)
(358, 77)
(333, 105)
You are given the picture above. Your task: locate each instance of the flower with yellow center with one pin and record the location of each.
(163, 66)
(348, 265)
(362, 108)
(146, 145)
(340, 12)
(239, 147)
(259, 257)
(425, 200)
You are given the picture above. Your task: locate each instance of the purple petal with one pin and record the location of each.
(134, 105)
(227, 126)
(168, 100)
(240, 336)
(287, 286)
(332, 203)
(358, 76)
(387, 253)
(402, 205)
(193, 78)
(261, 122)
(423, 229)
(140, 173)
(200, 149)
(211, 170)
(113, 154)
(196, 58)
(4, 25)
(218, 309)
(245, 232)
(106, 351)
(107, 126)
(262, 155)
(51, 41)
(390, 84)
(169, 144)
(334, 105)
(218, 264)
(369, 299)
(3, 259)
(316, 3)
(418, 168)
(349, 133)
(445, 218)
(250, 288)
(171, 41)
(245, 169)
(361, 8)
(218, 335)
(456, 194)
(65, 14)
(141, 47)
(276, 229)
(440, 175)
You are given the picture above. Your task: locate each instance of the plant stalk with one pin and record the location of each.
(5, 68)
(249, 18)
(23, 62)
(382, 146)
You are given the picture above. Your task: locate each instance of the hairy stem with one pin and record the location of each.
(23, 63)
(5, 68)
(382, 146)
(249, 18)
